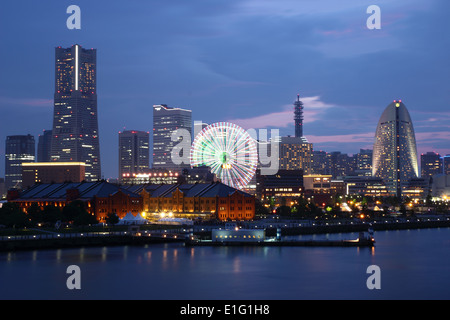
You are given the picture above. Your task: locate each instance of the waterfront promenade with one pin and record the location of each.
(299, 227)
(79, 239)
(139, 235)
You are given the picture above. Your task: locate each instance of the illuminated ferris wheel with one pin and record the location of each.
(228, 150)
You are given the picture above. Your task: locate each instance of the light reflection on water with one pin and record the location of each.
(413, 263)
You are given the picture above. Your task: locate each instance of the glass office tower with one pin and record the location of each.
(134, 152)
(75, 120)
(394, 151)
(165, 121)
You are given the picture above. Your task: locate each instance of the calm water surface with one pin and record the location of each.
(414, 264)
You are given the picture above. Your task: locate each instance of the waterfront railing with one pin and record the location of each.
(154, 233)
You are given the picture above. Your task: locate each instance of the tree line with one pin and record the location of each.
(75, 212)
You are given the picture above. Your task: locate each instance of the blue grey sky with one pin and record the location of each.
(242, 61)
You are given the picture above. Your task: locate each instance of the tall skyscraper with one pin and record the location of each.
(430, 164)
(75, 120)
(165, 121)
(18, 149)
(394, 151)
(44, 146)
(134, 153)
(298, 117)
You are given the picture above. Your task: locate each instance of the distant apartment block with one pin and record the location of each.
(52, 172)
(18, 149)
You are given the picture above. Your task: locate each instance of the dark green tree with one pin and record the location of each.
(260, 209)
(51, 214)
(283, 211)
(12, 216)
(84, 219)
(73, 210)
(35, 213)
(112, 218)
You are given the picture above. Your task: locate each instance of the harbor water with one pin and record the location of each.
(413, 264)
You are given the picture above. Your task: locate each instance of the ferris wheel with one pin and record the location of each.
(228, 150)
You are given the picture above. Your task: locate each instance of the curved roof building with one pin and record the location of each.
(394, 150)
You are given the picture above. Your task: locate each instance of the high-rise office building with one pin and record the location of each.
(134, 152)
(18, 149)
(394, 151)
(75, 120)
(44, 146)
(165, 121)
(430, 164)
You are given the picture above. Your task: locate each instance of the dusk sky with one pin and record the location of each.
(240, 61)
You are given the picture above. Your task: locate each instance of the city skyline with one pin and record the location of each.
(345, 78)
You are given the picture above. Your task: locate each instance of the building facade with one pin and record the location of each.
(446, 164)
(287, 184)
(100, 198)
(18, 149)
(364, 163)
(317, 183)
(75, 135)
(206, 200)
(295, 154)
(430, 164)
(366, 186)
(44, 146)
(165, 121)
(134, 153)
(394, 151)
(52, 172)
(2, 188)
(441, 186)
(151, 176)
(320, 162)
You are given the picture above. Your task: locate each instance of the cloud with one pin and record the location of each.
(343, 138)
(313, 108)
(30, 102)
(436, 136)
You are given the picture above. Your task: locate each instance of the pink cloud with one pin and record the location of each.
(34, 102)
(427, 137)
(313, 107)
(335, 32)
(343, 138)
